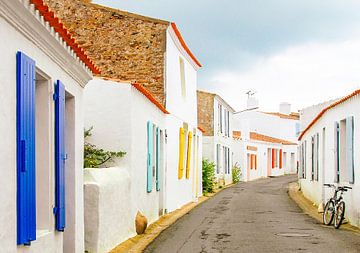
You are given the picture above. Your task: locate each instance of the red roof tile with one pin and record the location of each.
(54, 22)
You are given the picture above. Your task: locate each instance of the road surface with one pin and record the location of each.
(252, 217)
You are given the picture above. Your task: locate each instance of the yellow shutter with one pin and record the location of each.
(181, 152)
(188, 160)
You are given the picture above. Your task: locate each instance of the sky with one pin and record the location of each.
(301, 52)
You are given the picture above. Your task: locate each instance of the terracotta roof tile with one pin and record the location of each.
(293, 115)
(54, 21)
(260, 137)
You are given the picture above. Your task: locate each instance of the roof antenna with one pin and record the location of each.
(250, 93)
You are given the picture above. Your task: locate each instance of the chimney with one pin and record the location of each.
(252, 103)
(285, 108)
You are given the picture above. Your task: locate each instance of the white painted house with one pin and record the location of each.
(41, 128)
(143, 103)
(261, 156)
(216, 119)
(329, 154)
(283, 124)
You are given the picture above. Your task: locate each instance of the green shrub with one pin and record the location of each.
(95, 157)
(236, 173)
(208, 176)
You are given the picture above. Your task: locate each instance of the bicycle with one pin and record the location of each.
(335, 207)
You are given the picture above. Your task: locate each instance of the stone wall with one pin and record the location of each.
(123, 45)
(205, 103)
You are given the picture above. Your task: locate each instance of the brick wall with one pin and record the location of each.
(125, 46)
(205, 103)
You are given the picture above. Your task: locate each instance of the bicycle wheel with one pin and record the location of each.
(328, 214)
(339, 214)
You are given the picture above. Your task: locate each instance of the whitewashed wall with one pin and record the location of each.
(274, 126)
(119, 114)
(13, 40)
(314, 190)
(264, 168)
(182, 110)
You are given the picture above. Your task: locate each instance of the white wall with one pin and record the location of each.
(182, 110)
(119, 114)
(314, 189)
(12, 41)
(309, 113)
(274, 126)
(210, 142)
(108, 218)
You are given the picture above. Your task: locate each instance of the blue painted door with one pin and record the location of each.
(25, 142)
(60, 156)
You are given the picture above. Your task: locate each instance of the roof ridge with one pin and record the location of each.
(127, 13)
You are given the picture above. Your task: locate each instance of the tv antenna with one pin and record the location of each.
(250, 93)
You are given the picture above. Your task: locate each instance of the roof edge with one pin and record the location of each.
(340, 101)
(50, 17)
(183, 44)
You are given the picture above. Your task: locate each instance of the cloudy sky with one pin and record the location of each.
(302, 52)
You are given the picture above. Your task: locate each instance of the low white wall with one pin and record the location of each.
(108, 216)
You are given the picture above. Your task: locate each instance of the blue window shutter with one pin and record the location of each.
(158, 165)
(350, 149)
(336, 152)
(25, 142)
(60, 156)
(150, 156)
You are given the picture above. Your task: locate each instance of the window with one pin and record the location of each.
(221, 118)
(315, 157)
(218, 158)
(302, 155)
(43, 150)
(182, 77)
(41, 144)
(344, 153)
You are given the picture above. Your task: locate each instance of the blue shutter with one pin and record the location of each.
(150, 142)
(350, 149)
(158, 165)
(25, 148)
(60, 156)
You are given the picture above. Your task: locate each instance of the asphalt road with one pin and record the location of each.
(252, 217)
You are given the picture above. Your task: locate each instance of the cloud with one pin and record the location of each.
(300, 51)
(302, 75)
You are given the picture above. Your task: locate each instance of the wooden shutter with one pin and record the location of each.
(188, 159)
(280, 158)
(181, 152)
(158, 159)
(150, 156)
(272, 158)
(60, 156)
(25, 142)
(312, 157)
(317, 157)
(336, 152)
(350, 149)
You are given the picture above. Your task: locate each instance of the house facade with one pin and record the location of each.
(143, 103)
(262, 156)
(328, 154)
(41, 126)
(216, 119)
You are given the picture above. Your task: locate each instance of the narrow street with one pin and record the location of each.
(251, 217)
